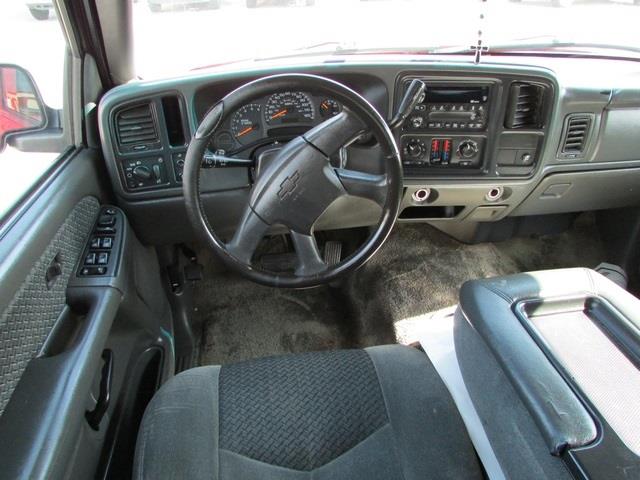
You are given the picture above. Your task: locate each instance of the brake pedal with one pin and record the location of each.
(332, 252)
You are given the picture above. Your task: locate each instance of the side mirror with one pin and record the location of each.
(21, 106)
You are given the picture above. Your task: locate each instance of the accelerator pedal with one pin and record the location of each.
(332, 252)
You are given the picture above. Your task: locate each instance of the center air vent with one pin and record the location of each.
(525, 106)
(136, 128)
(575, 137)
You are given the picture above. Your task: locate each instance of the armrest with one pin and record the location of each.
(489, 306)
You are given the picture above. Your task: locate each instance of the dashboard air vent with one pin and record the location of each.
(575, 136)
(136, 128)
(525, 106)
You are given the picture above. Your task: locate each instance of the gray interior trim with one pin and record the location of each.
(515, 438)
(488, 304)
(436, 338)
(603, 372)
(31, 314)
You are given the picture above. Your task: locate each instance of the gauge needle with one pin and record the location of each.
(245, 131)
(281, 113)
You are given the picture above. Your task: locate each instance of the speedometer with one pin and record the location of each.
(287, 108)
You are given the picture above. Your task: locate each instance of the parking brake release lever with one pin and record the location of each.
(411, 98)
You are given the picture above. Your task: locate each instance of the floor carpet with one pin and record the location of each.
(418, 270)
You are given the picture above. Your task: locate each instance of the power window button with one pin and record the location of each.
(106, 221)
(90, 259)
(103, 258)
(107, 242)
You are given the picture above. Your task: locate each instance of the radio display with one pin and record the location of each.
(456, 95)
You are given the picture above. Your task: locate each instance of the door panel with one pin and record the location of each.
(28, 319)
(57, 326)
(39, 250)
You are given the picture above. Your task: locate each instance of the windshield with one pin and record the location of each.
(174, 36)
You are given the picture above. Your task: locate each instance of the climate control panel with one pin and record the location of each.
(459, 151)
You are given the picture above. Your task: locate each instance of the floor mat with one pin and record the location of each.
(243, 320)
(418, 270)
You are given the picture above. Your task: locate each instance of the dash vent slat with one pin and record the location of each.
(525, 106)
(136, 127)
(576, 134)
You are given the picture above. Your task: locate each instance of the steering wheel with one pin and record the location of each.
(300, 183)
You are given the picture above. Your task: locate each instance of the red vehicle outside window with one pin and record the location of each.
(19, 107)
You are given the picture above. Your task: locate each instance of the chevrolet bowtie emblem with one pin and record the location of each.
(288, 185)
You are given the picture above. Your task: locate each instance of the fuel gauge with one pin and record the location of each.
(329, 108)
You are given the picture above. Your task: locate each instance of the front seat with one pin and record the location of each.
(377, 413)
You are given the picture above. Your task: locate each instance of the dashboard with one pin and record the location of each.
(487, 144)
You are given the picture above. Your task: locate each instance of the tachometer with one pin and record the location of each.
(246, 124)
(289, 107)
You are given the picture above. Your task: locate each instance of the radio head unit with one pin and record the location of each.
(447, 128)
(460, 95)
(451, 107)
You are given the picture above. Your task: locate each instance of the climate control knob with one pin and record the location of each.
(415, 148)
(467, 149)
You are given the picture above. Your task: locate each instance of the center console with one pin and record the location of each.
(552, 362)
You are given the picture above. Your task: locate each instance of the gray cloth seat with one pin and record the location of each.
(378, 413)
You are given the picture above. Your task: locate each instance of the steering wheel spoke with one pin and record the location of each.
(248, 234)
(310, 260)
(336, 132)
(365, 185)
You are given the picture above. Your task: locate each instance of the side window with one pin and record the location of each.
(32, 49)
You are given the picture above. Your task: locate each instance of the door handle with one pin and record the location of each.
(94, 417)
(54, 270)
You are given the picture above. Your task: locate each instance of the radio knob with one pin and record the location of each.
(415, 148)
(416, 122)
(468, 149)
(141, 172)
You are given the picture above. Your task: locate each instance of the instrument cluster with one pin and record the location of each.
(280, 114)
